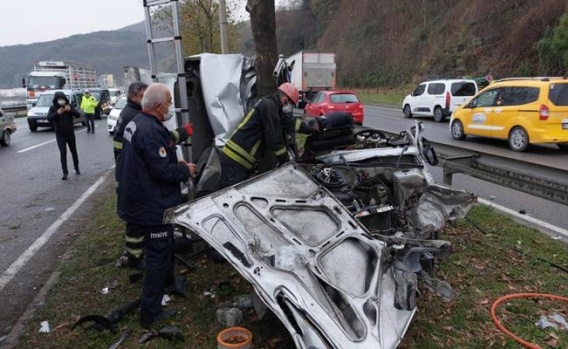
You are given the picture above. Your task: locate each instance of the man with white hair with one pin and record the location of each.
(151, 176)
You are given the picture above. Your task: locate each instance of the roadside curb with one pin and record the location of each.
(17, 330)
(544, 227)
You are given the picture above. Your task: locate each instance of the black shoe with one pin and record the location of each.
(164, 315)
(77, 171)
(65, 176)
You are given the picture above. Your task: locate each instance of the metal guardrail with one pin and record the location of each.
(14, 108)
(534, 179)
(538, 180)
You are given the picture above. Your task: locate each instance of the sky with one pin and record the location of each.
(29, 21)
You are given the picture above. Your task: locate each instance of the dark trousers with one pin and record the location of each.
(159, 272)
(231, 172)
(90, 118)
(134, 240)
(64, 139)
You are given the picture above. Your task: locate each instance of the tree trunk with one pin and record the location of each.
(263, 24)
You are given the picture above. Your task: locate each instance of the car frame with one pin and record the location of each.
(438, 98)
(7, 127)
(522, 111)
(37, 115)
(112, 117)
(322, 103)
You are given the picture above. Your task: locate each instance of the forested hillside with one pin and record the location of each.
(395, 42)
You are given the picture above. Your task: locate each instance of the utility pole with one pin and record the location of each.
(223, 26)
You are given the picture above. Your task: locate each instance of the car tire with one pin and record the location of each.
(83, 123)
(33, 127)
(438, 114)
(6, 138)
(518, 139)
(457, 130)
(407, 112)
(562, 146)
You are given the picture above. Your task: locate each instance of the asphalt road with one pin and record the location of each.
(392, 120)
(35, 202)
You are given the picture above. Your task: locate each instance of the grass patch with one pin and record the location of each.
(383, 96)
(485, 265)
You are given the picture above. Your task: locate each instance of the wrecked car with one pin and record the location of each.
(334, 242)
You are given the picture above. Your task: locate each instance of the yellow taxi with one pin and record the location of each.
(521, 110)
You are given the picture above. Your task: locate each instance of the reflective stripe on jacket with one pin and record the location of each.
(261, 128)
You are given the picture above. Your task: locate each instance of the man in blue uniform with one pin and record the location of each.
(151, 176)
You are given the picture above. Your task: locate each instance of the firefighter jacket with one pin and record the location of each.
(126, 115)
(151, 173)
(263, 127)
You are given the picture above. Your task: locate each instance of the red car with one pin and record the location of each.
(324, 102)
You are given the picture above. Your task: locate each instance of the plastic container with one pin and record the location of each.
(234, 338)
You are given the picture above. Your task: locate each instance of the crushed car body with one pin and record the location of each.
(335, 242)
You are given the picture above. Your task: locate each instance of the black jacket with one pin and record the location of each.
(263, 127)
(126, 115)
(64, 123)
(151, 172)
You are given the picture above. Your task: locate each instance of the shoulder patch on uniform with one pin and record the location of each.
(162, 152)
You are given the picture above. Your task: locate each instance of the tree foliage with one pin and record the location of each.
(559, 40)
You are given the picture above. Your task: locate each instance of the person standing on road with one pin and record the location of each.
(263, 127)
(61, 114)
(134, 238)
(151, 176)
(88, 106)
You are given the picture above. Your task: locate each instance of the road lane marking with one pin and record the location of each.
(35, 146)
(39, 145)
(13, 269)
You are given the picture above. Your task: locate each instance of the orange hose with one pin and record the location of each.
(516, 296)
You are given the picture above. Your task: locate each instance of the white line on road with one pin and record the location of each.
(35, 146)
(7, 276)
(39, 145)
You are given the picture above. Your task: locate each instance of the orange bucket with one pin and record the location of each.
(234, 338)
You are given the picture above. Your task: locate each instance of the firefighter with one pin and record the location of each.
(151, 176)
(262, 128)
(134, 239)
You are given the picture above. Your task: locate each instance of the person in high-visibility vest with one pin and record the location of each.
(88, 105)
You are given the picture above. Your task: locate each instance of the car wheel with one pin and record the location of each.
(457, 130)
(562, 146)
(6, 138)
(406, 111)
(518, 139)
(83, 123)
(438, 115)
(33, 126)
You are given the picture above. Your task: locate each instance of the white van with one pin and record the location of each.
(438, 98)
(37, 115)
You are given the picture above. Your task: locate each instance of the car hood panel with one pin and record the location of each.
(308, 259)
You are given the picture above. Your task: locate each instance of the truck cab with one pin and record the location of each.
(39, 82)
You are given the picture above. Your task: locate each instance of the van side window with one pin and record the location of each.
(517, 95)
(463, 89)
(558, 94)
(436, 89)
(419, 90)
(74, 101)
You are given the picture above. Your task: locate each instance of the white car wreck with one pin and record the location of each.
(334, 242)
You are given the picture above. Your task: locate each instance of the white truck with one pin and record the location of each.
(310, 72)
(52, 75)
